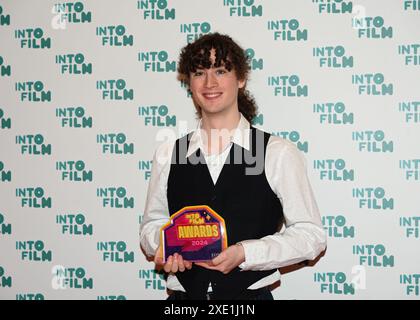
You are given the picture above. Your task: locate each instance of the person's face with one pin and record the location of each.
(215, 90)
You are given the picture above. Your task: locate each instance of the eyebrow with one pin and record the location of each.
(212, 67)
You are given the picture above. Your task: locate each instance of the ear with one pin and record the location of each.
(241, 83)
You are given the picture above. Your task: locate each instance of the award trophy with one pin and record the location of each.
(196, 232)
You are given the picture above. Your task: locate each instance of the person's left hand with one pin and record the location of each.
(227, 260)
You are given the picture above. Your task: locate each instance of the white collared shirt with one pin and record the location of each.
(301, 238)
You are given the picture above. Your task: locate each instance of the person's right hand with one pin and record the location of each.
(173, 264)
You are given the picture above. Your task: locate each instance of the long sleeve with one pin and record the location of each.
(156, 212)
(303, 237)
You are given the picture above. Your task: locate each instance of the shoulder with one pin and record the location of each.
(280, 145)
(282, 150)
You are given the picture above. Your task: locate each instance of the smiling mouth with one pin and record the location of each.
(212, 95)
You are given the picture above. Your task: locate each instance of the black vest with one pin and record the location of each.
(250, 208)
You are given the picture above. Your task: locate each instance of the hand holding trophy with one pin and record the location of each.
(193, 234)
(173, 264)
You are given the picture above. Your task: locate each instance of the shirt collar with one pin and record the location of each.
(240, 136)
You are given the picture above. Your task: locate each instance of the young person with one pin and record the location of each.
(257, 182)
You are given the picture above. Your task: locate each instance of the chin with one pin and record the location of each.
(212, 110)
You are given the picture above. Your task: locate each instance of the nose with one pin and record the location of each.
(210, 80)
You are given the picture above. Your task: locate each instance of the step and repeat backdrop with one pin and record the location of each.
(88, 90)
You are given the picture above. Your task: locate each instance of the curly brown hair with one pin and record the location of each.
(229, 54)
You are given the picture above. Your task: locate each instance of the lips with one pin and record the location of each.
(212, 95)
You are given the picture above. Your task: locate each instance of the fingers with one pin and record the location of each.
(225, 262)
(219, 259)
(176, 263)
(174, 267)
(181, 266)
(158, 257)
(168, 264)
(206, 265)
(188, 264)
(203, 264)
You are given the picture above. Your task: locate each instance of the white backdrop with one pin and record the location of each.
(86, 86)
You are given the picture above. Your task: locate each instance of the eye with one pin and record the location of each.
(221, 71)
(197, 73)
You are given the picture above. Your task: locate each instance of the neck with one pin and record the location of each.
(218, 130)
(220, 121)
